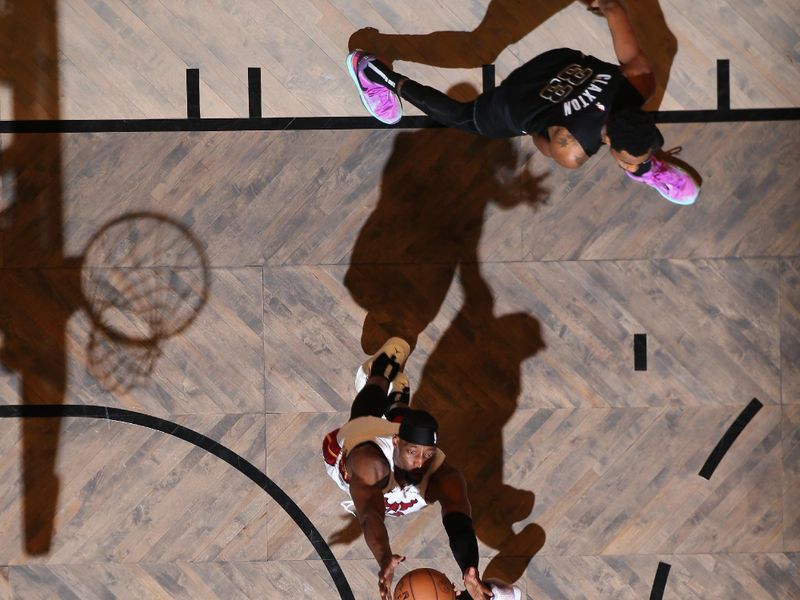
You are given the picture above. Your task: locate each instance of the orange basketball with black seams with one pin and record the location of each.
(424, 584)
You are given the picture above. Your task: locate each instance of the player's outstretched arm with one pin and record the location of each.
(369, 472)
(448, 487)
(633, 62)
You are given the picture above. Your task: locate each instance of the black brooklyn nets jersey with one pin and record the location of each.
(561, 87)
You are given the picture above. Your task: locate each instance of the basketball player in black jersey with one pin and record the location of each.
(570, 103)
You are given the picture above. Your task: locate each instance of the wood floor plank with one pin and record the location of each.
(741, 211)
(5, 585)
(706, 577)
(752, 71)
(313, 368)
(790, 332)
(183, 580)
(791, 474)
(301, 47)
(211, 580)
(589, 312)
(179, 374)
(339, 201)
(560, 334)
(575, 474)
(145, 496)
(671, 507)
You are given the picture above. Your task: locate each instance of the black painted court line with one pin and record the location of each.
(723, 84)
(254, 92)
(192, 93)
(339, 123)
(730, 436)
(198, 439)
(722, 114)
(660, 582)
(639, 352)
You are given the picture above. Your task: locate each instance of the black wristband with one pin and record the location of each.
(462, 539)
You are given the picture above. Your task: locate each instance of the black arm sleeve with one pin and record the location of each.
(462, 539)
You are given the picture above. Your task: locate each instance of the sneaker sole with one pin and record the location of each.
(354, 77)
(393, 344)
(688, 202)
(503, 591)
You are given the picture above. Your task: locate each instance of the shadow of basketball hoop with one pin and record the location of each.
(144, 279)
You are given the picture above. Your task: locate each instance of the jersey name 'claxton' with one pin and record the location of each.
(586, 98)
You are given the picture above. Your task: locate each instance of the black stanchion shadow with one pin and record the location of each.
(506, 22)
(31, 234)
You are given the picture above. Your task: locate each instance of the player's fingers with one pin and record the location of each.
(386, 592)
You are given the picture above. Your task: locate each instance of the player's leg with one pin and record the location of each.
(435, 104)
(439, 106)
(374, 377)
(399, 401)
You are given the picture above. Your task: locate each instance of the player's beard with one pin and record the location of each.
(415, 475)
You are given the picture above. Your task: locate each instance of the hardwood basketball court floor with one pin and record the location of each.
(182, 312)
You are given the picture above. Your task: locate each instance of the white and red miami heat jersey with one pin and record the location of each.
(398, 501)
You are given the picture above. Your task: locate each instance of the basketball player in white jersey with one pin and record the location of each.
(386, 458)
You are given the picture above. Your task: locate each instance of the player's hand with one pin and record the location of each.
(476, 588)
(387, 574)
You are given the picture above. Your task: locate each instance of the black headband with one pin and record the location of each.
(417, 434)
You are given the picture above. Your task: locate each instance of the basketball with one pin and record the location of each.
(424, 584)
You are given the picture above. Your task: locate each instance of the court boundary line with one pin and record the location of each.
(742, 115)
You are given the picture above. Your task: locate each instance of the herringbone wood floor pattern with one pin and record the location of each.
(127, 58)
(231, 282)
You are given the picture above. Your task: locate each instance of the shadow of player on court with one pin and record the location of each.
(506, 22)
(436, 190)
(472, 382)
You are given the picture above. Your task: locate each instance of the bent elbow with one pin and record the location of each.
(568, 162)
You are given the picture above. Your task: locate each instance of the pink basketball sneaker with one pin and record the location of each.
(381, 102)
(672, 182)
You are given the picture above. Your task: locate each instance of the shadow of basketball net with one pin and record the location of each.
(144, 279)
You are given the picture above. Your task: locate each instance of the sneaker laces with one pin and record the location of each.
(664, 176)
(374, 90)
(384, 95)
